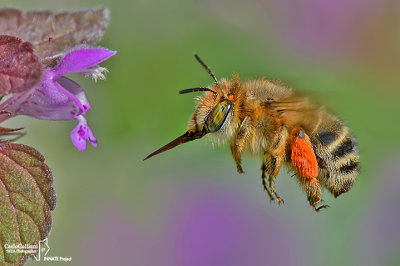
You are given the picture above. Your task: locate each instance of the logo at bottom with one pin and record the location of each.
(43, 250)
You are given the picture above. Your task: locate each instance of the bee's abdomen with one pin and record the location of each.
(338, 159)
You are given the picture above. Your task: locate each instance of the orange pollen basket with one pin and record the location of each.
(304, 160)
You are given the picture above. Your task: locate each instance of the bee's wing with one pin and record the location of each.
(299, 110)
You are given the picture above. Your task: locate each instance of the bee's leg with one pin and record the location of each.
(238, 143)
(305, 162)
(274, 158)
(271, 166)
(263, 180)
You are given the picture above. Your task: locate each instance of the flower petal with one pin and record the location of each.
(49, 100)
(79, 60)
(81, 133)
(76, 90)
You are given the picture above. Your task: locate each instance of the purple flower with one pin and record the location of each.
(59, 98)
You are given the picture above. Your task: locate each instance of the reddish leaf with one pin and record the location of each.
(26, 199)
(20, 68)
(54, 33)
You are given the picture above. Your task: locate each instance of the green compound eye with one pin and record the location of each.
(217, 116)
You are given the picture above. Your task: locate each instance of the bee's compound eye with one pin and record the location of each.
(217, 116)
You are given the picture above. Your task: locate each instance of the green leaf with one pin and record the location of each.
(26, 199)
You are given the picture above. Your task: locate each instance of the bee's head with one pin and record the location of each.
(212, 113)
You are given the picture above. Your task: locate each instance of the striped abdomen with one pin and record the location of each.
(337, 155)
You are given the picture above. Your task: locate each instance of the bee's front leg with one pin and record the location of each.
(238, 143)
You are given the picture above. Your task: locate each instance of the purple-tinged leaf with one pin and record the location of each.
(20, 68)
(26, 199)
(52, 34)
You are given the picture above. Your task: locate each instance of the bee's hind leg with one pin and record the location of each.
(305, 162)
(313, 191)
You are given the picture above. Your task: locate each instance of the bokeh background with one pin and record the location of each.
(189, 206)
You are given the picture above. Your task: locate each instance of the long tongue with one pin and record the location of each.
(188, 136)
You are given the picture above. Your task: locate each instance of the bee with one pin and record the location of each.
(267, 118)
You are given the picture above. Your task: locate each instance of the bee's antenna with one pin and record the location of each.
(195, 89)
(206, 67)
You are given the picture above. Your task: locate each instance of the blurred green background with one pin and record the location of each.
(189, 206)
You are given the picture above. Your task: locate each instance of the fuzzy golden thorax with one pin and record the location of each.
(251, 99)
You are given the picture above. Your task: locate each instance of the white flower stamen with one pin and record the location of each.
(96, 73)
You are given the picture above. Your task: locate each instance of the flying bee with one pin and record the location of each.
(267, 118)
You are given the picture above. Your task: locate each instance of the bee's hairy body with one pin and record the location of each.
(270, 120)
(264, 115)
